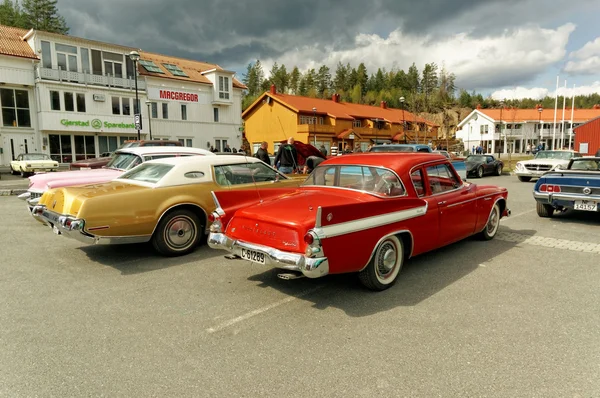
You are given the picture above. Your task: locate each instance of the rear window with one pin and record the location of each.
(376, 180)
(148, 172)
(392, 148)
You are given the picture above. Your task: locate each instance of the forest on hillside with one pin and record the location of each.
(36, 14)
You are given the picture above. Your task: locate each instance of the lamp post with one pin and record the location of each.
(540, 109)
(149, 103)
(315, 128)
(134, 56)
(401, 99)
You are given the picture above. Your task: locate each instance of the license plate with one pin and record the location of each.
(253, 255)
(586, 205)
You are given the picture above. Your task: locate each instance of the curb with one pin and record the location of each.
(11, 192)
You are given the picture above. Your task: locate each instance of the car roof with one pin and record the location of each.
(399, 161)
(146, 150)
(213, 160)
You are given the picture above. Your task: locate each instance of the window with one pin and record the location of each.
(417, 180)
(175, 70)
(218, 145)
(148, 172)
(150, 66)
(126, 102)
(223, 87)
(60, 148)
(80, 97)
(357, 123)
(107, 144)
(245, 173)
(186, 142)
(97, 62)
(376, 180)
(69, 103)
(84, 147)
(518, 126)
(441, 179)
(113, 64)
(154, 110)
(165, 110)
(15, 107)
(483, 129)
(183, 112)
(55, 100)
(116, 105)
(311, 120)
(85, 60)
(46, 54)
(66, 57)
(216, 114)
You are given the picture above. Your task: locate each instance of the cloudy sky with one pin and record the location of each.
(507, 48)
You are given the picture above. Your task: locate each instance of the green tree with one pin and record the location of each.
(294, 80)
(323, 82)
(361, 78)
(43, 15)
(357, 94)
(10, 14)
(413, 78)
(341, 79)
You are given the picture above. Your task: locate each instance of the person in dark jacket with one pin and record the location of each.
(263, 154)
(287, 156)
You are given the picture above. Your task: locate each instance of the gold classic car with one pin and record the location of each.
(165, 201)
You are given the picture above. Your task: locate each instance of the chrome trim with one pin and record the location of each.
(24, 196)
(466, 201)
(310, 267)
(562, 196)
(319, 215)
(412, 245)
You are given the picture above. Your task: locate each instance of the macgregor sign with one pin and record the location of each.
(97, 124)
(162, 94)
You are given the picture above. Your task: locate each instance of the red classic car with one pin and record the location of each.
(364, 213)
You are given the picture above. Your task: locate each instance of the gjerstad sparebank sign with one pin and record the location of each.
(96, 124)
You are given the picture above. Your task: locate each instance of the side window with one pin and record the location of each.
(441, 179)
(417, 180)
(247, 173)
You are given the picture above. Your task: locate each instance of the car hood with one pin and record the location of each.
(545, 161)
(471, 165)
(42, 182)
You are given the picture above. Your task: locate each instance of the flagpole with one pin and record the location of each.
(562, 123)
(572, 112)
(554, 125)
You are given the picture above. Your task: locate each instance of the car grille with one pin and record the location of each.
(35, 195)
(579, 190)
(538, 167)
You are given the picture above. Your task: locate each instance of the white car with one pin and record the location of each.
(29, 163)
(543, 162)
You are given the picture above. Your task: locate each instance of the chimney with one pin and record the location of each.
(596, 106)
(478, 106)
(273, 89)
(383, 104)
(335, 98)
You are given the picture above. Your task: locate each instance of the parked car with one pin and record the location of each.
(542, 162)
(123, 160)
(163, 201)
(365, 213)
(401, 148)
(29, 163)
(481, 165)
(576, 187)
(105, 157)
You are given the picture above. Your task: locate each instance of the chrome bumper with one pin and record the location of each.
(308, 266)
(567, 197)
(56, 222)
(531, 173)
(30, 201)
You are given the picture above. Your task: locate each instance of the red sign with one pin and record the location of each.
(178, 96)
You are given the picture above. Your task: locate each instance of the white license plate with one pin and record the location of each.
(586, 205)
(253, 255)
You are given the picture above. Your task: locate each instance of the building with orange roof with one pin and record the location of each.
(274, 117)
(516, 130)
(75, 98)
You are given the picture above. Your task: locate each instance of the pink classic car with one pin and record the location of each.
(365, 213)
(122, 160)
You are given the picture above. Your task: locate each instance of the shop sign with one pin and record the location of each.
(164, 94)
(99, 97)
(97, 124)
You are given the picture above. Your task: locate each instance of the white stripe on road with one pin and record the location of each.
(518, 215)
(562, 244)
(261, 310)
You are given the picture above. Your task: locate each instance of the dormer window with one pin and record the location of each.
(175, 70)
(150, 66)
(223, 87)
(357, 123)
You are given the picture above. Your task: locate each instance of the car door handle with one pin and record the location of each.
(442, 203)
(487, 199)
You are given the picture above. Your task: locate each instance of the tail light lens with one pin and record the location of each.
(309, 238)
(549, 188)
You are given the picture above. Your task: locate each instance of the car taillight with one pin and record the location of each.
(309, 238)
(211, 217)
(549, 188)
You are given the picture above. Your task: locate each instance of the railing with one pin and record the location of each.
(87, 78)
(318, 128)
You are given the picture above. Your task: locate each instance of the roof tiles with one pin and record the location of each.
(12, 43)
(522, 115)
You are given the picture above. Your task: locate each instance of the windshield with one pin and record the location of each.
(392, 148)
(376, 180)
(585, 164)
(564, 155)
(147, 172)
(475, 159)
(36, 156)
(124, 161)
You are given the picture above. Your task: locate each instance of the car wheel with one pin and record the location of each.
(524, 179)
(23, 173)
(13, 171)
(492, 224)
(544, 210)
(385, 265)
(178, 233)
(480, 172)
(499, 170)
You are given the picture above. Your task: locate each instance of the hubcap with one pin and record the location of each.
(387, 259)
(180, 232)
(493, 221)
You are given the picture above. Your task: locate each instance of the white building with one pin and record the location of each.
(74, 98)
(503, 130)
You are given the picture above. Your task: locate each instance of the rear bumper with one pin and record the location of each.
(308, 266)
(563, 199)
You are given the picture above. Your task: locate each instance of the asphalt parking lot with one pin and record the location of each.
(516, 316)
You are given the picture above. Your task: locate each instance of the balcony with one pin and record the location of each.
(318, 128)
(87, 79)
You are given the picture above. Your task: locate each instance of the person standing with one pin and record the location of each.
(287, 156)
(323, 150)
(263, 154)
(528, 149)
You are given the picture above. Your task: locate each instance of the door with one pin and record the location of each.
(456, 203)
(15, 144)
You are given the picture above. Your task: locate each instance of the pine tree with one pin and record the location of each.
(9, 14)
(323, 81)
(43, 15)
(294, 80)
(413, 78)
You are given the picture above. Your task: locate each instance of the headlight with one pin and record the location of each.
(519, 166)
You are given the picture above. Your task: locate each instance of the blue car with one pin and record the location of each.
(576, 187)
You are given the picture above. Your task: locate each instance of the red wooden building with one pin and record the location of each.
(587, 137)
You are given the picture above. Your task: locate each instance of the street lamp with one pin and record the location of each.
(315, 128)
(149, 103)
(540, 109)
(134, 56)
(401, 99)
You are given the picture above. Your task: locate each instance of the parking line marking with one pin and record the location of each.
(261, 310)
(518, 215)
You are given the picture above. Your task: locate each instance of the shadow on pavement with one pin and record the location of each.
(577, 217)
(421, 277)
